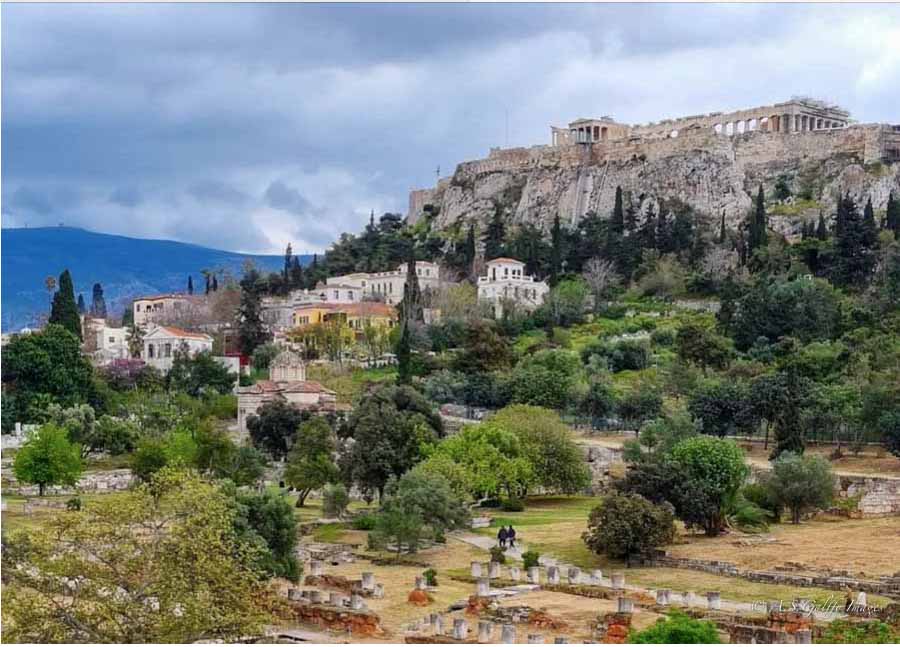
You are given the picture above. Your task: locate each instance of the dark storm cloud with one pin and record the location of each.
(278, 122)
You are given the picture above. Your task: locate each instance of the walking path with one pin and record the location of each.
(688, 598)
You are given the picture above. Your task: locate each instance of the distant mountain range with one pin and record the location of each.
(125, 267)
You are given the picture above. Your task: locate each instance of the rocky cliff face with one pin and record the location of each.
(715, 174)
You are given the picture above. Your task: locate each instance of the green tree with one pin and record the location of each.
(274, 426)
(697, 344)
(166, 549)
(800, 483)
(64, 310)
(98, 302)
(853, 632)
(856, 239)
(892, 215)
(48, 458)
(484, 350)
(199, 374)
(265, 519)
(556, 250)
(403, 351)
(40, 368)
(557, 462)
(309, 463)
(335, 500)
(148, 459)
(495, 235)
(264, 354)
(390, 426)
(723, 408)
(678, 629)
(627, 524)
(758, 226)
(251, 331)
(717, 467)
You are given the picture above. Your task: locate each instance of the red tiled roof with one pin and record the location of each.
(504, 259)
(296, 386)
(179, 332)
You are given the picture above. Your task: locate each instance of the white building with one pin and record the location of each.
(278, 312)
(506, 280)
(161, 342)
(103, 342)
(167, 308)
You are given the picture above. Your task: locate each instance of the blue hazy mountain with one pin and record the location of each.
(125, 267)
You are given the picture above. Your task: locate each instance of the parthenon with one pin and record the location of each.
(800, 114)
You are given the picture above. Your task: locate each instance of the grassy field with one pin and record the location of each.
(349, 383)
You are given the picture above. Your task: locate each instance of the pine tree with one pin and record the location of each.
(892, 216)
(190, 287)
(81, 306)
(495, 236)
(647, 232)
(556, 251)
(215, 283)
(98, 303)
(64, 310)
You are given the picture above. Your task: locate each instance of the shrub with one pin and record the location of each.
(335, 500)
(530, 558)
(662, 337)
(678, 629)
(628, 524)
(761, 496)
(512, 504)
(73, 504)
(801, 483)
(498, 555)
(430, 577)
(364, 522)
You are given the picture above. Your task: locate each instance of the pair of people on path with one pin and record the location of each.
(505, 535)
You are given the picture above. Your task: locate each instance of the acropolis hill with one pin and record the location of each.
(712, 162)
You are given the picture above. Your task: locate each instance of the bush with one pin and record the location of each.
(801, 483)
(498, 555)
(364, 522)
(761, 496)
(678, 629)
(73, 504)
(430, 576)
(662, 337)
(512, 504)
(335, 500)
(628, 524)
(530, 558)
(627, 355)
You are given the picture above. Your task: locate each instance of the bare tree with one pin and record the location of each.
(601, 277)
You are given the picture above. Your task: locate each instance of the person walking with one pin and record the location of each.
(511, 536)
(502, 536)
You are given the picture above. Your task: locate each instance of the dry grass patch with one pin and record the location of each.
(870, 546)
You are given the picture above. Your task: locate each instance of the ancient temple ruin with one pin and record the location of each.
(800, 114)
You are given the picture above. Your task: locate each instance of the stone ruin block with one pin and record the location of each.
(534, 575)
(625, 605)
(508, 634)
(514, 573)
(714, 600)
(437, 623)
(535, 639)
(460, 628)
(618, 580)
(553, 574)
(476, 569)
(378, 591)
(662, 597)
(574, 575)
(483, 587)
(596, 577)
(368, 581)
(493, 570)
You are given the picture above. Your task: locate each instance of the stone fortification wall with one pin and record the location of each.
(716, 174)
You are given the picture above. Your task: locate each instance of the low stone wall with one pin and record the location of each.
(359, 623)
(878, 496)
(888, 586)
(109, 481)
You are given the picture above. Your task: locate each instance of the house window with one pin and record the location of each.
(112, 340)
(168, 349)
(150, 351)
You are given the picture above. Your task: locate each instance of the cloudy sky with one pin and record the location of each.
(244, 127)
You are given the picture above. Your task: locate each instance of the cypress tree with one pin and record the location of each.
(556, 251)
(469, 250)
(64, 310)
(722, 232)
(404, 355)
(81, 306)
(869, 228)
(288, 256)
(98, 303)
(892, 217)
(190, 287)
(617, 221)
(821, 228)
(296, 274)
(208, 277)
(758, 224)
(411, 306)
(647, 232)
(495, 236)
(215, 283)
(856, 238)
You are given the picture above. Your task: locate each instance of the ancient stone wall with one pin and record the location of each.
(715, 174)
